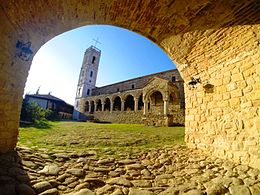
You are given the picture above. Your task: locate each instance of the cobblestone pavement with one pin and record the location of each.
(176, 170)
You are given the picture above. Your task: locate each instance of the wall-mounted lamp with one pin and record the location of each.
(209, 88)
(193, 82)
(24, 51)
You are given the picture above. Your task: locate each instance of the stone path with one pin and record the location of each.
(168, 171)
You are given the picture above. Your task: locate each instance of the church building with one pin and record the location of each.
(155, 99)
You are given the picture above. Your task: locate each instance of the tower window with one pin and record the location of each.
(82, 73)
(91, 73)
(90, 81)
(93, 59)
(133, 86)
(79, 91)
(117, 89)
(173, 79)
(88, 92)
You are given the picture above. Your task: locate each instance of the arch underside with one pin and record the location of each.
(214, 42)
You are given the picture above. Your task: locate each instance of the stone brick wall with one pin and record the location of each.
(140, 82)
(226, 120)
(126, 117)
(217, 41)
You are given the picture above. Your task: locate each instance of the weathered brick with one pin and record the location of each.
(236, 93)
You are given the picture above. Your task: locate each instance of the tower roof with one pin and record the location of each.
(93, 48)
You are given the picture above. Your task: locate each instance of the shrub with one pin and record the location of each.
(32, 112)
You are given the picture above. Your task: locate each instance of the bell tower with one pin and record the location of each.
(87, 77)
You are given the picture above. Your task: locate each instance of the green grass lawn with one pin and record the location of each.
(110, 139)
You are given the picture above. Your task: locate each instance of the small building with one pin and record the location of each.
(48, 101)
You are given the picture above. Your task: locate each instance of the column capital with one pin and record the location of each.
(165, 99)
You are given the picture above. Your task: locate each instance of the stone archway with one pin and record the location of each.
(140, 102)
(107, 105)
(213, 43)
(99, 105)
(129, 103)
(92, 106)
(86, 108)
(117, 104)
(156, 103)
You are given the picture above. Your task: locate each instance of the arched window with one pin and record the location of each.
(173, 79)
(88, 92)
(79, 91)
(93, 59)
(91, 73)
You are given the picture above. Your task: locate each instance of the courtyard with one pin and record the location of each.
(90, 158)
(106, 139)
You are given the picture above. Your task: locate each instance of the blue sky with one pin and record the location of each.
(124, 55)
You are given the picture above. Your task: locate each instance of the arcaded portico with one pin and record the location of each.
(155, 99)
(215, 45)
(139, 105)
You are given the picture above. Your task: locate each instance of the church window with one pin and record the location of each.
(93, 59)
(82, 73)
(117, 89)
(90, 81)
(88, 92)
(133, 86)
(173, 79)
(91, 73)
(79, 91)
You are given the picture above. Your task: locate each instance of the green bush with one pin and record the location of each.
(33, 113)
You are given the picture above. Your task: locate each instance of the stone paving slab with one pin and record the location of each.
(175, 170)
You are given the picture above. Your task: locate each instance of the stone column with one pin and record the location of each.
(136, 104)
(95, 106)
(145, 107)
(103, 106)
(89, 108)
(111, 106)
(165, 107)
(122, 105)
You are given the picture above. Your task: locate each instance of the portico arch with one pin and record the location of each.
(92, 106)
(213, 43)
(129, 103)
(156, 102)
(107, 105)
(86, 108)
(140, 102)
(99, 105)
(117, 104)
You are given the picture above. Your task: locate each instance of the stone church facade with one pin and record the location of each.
(156, 99)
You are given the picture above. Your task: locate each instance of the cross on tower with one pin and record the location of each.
(96, 42)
